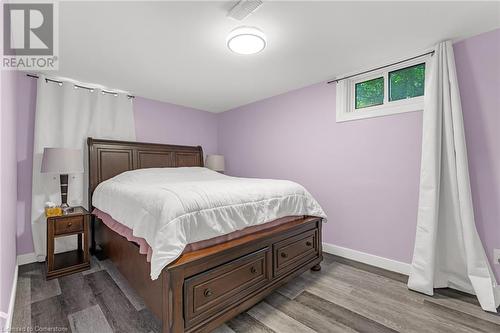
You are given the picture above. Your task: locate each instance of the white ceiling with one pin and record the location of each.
(175, 51)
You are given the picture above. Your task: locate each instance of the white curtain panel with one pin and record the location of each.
(448, 251)
(65, 117)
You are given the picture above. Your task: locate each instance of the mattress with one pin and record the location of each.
(172, 207)
(145, 248)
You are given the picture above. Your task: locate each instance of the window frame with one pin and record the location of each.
(346, 105)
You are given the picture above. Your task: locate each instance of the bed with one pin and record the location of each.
(207, 283)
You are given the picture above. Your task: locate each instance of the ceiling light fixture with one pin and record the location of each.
(246, 40)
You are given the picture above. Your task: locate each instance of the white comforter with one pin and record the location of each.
(172, 207)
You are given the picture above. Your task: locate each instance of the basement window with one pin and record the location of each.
(407, 82)
(369, 93)
(391, 90)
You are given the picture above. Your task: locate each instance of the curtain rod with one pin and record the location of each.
(78, 86)
(381, 67)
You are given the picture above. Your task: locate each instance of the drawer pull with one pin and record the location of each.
(207, 293)
(69, 224)
(308, 243)
(253, 270)
(284, 255)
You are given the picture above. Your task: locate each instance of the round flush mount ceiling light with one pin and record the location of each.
(246, 40)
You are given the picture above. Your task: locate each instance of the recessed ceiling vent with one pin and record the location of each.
(244, 8)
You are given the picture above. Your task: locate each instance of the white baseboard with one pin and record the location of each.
(369, 259)
(10, 312)
(27, 258)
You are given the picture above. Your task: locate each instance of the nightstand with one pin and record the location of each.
(74, 222)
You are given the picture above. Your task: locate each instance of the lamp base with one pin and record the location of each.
(66, 208)
(64, 193)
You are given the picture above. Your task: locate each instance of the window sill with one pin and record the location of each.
(381, 111)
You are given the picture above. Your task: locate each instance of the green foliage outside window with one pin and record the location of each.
(407, 82)
(369, 93)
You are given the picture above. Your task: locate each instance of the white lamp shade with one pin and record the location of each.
(215, 162)
(62, 160)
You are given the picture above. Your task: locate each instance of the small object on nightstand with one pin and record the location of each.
(74, 223)
(52, 210)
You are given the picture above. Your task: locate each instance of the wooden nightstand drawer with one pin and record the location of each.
(68, 225)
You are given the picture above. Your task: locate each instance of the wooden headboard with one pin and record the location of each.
(108, 158)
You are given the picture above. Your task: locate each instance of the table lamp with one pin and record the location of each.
(62, 161)
(215, 162)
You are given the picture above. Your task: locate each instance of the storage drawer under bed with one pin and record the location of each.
(295, 251)
(213, 291)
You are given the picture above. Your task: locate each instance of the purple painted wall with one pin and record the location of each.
(25, 110)
(169, 123)
(8, 191)
(155, 122)
(365, 173)
(478, 69)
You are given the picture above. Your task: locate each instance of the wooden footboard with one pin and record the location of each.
(205, 288)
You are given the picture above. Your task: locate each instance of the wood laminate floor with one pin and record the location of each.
(345, 296)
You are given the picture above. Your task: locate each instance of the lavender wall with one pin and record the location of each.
(478, 69)
(155, 122)
(8, 192)
(365, 173)
(25, 111)
(169, 123)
